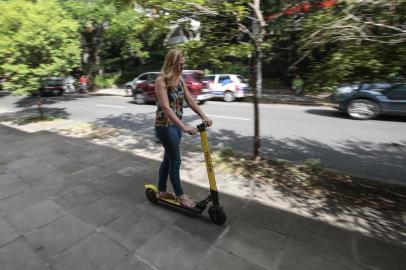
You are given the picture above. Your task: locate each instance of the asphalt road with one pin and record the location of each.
(374, 149)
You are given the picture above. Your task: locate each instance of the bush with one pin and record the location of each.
(106, 80)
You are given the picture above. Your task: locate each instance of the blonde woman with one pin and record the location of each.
(172, 92)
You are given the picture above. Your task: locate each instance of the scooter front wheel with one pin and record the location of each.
(217, 214)
(151, 195)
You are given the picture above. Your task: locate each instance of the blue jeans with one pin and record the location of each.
(170, 138)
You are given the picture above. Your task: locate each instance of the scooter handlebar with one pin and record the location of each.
(202, 126)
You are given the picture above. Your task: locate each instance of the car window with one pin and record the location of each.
(152, 77)
(198, 77)
(143, 77)
(241, 79)
(397, 92)
(224, 79)
(209, 79)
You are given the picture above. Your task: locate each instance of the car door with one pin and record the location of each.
(150, 86)
(396, 98)
(141, 82)
(221, 85)
(210, 80)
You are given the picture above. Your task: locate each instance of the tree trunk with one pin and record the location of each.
(93, 44)
(40, 109)
(257, 83)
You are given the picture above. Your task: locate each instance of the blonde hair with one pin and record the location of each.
(171, 68)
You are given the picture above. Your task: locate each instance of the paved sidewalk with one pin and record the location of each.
(66, 203)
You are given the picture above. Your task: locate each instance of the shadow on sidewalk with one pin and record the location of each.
(358, 157)
(103, 189)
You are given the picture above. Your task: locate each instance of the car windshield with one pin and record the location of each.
(241, 79)
(375, 86)
(197, 77)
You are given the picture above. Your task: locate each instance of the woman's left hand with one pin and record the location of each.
(209, 121)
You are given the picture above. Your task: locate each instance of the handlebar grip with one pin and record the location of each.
(202, 126)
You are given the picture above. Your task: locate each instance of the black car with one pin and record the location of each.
(367, 101)
(52, 86)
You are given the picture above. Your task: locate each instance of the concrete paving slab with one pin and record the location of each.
(95, 158)
(134, 228)
(219, 259)
(271, 218)
(379, 254)
(7, 233)
(38, 174)
(92, 173)
(173, 248)
(36, 216)
(95, 252)
(21, 163)
(113, 183)
(253, 243)
(50, 240)
(299, 255)
(13, 189)
(133, 264)
(20, 201)
(166, 213)
(77, 195)
(336, 240)
(18, 256)
(133, 194)
(8, 178)
(103, 211)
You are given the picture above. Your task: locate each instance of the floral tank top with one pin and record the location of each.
(176, 98)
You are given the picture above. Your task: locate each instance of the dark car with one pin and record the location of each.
(52, 86)
(143, 87)
(367, 101)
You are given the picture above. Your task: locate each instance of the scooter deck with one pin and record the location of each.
(177, 204)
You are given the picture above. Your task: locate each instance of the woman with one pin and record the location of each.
(171, 92)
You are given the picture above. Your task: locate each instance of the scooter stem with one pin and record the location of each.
(207, 156)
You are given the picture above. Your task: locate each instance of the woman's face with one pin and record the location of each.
(181, 64)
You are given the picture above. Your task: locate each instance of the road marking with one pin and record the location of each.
(110, 106)
(229, 117)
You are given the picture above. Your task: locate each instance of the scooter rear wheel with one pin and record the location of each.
(217, 214)
(151, 195)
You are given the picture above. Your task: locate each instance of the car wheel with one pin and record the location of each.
(362, 109)
(139, 98)
(229, 96)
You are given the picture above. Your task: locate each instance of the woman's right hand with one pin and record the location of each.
(190, 130)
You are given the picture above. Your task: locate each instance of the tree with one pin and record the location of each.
(245, 20)
(357, 40)
(94, 18)
(37, 40)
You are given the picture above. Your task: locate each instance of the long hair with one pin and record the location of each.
(171, 69)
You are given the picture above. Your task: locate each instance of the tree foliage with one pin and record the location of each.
(37, 39)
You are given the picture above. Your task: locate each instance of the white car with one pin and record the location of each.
(229, 87)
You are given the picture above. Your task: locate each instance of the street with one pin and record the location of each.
(373, 149)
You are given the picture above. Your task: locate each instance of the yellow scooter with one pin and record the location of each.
(216, 212)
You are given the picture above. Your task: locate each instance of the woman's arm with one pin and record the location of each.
(162, 96)
(193, 105)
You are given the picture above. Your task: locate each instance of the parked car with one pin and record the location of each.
(229, 87)
(367, 101)
(52, 86)
(143, 87)
(69, 84)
